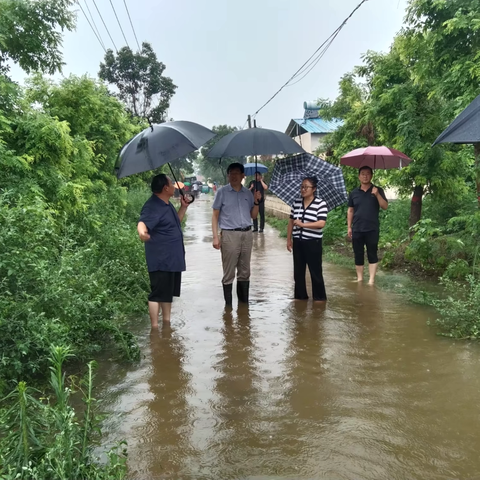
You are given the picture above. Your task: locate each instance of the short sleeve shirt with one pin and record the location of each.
(317, 210)
(235, 207)
(164, 251)
(365, 209)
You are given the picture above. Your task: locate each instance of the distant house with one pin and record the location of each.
(310, 130)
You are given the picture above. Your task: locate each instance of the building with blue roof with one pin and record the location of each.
(310, 130)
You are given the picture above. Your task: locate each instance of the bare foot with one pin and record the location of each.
(358, 280)
(166, 320)
(154, 326)
(371, 282)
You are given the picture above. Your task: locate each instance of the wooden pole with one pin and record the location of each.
(249, 121)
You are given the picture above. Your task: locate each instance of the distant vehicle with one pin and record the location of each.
(190, 180)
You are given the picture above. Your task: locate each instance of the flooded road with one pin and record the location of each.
(358, 389)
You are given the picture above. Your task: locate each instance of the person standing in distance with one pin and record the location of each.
(259, 185)
(234, 208)
(160, 228)
(364, 205)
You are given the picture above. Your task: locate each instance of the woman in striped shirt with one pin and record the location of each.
(307, 219)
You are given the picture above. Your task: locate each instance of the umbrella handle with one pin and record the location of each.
(187, 196)
(190, 198)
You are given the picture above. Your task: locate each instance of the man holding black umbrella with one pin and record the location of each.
(160, 228)
(234, 208)
(260, 186)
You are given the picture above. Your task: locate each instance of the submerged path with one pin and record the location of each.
(360, 388)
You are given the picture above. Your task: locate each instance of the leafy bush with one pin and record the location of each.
(460, 313)
(69, 281)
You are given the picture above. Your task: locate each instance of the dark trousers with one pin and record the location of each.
(360, 240)
(308, 252)
(261, 214)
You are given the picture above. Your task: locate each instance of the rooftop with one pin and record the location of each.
(299, 126)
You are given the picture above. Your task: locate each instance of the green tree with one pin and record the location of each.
(407, 117)
(443, 37)
(139, 78)
(216, 168)
(31, 33)
(381, 103)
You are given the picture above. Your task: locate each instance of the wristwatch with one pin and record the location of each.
(255, 203)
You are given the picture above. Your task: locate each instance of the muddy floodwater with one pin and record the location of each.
(358, 389)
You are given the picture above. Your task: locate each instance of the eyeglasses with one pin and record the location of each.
(305, 187)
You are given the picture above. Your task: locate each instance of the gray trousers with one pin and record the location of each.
(236, 248)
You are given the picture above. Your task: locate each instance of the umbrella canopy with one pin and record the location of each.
(465, 128)
(188, 184)
(252, 168)
(288, 174)
(160, 144)
(179, 185)
(254, 141)
(375, 157)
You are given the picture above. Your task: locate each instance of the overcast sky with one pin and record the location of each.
(228, 57)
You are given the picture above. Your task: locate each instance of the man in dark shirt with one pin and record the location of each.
(160, 228)
(260, 186)
(364, 204)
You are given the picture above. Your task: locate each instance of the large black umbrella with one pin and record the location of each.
(254, 141)
(160, 144)
(465, 128)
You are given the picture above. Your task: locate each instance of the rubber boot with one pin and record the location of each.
(242, 291)
(227, 294)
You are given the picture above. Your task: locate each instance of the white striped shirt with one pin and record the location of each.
(316, 211)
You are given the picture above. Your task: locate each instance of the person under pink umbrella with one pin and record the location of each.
(365, 202)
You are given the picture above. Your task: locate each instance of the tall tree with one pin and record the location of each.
(381, 103)
(31, 33)
(139, 78)
(409, 119)
(444, 37)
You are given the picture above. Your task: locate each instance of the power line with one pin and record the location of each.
(314, 64)
(91, 26)
(312, 61)
(95, 3)
(131, 24)
(94, 24)
(119, 24)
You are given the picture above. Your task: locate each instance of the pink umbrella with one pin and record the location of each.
(375, 157)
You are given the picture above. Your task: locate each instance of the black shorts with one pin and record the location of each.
(164, 286)
(360, 240)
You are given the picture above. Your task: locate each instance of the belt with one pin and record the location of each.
(245, 229)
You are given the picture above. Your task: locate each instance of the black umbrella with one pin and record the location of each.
(254, 141)
(465, 128)
(160, 144)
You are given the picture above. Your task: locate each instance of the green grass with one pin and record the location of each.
(280, 224)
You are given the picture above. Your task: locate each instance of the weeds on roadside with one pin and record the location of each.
(460, 310)
(41, 438)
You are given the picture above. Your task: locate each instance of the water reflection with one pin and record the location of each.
(167, 427)
(236, 394)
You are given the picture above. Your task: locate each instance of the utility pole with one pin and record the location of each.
(254, 123)
(249, 121)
